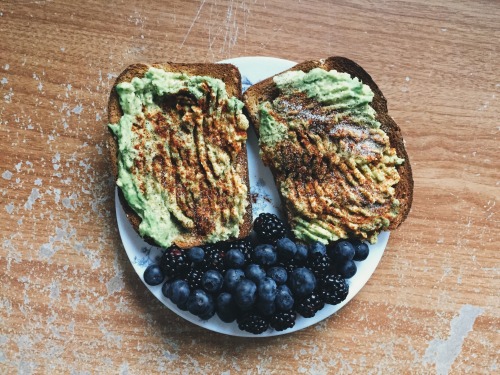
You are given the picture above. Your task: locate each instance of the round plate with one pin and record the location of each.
(265, 198)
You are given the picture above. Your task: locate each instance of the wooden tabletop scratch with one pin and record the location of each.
(192, 23)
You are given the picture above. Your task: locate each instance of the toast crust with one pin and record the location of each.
(230, 75)
(267, 90)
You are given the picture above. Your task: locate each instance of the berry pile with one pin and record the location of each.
(261, 282)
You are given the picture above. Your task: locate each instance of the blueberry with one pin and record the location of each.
(266, 307)
(284, 300)
(177, 291)
(267, 290)
(210, 310)
(226, 308)
(245, 294)
(347, 269)
(255, 273)
(341, 251)
(199, 302)
(212, 281)
(278, 274)
(317, 248)
(232, 277)
(265, 255)
(361, 251)
(286, 249)
(234, 259)
(302, 282)
(301, 254)
(165, 287)
(182, 306)
(196, 254)
(153, 275)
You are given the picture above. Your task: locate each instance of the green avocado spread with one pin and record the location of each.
(335, 166)
(178, 142)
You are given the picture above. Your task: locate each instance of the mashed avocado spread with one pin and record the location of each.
(336, 170)
(178, 140)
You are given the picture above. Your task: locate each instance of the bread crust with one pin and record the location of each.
(230, 75)
(266, 90)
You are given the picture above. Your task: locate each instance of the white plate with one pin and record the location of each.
(266, 198)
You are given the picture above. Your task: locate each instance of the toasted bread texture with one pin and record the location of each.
(230, 75)
(267, 91)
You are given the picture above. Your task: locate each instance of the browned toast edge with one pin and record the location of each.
(232, 78)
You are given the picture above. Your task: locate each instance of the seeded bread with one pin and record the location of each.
(267, 91)
(230, 75)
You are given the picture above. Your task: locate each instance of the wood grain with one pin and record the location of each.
(70, 301)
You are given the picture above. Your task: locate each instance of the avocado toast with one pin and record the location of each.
(336, 155)
(177, 144)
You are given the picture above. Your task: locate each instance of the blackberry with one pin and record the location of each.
(174, 263)
(253, 322)
(319, 264)
(213, 260)
(308, 307)
(269, 228)
(282, 320)
(245, 246)
(334, 289)
(193, 278)
(290, 265)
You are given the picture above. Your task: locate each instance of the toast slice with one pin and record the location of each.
(317, 162)
(180, 159)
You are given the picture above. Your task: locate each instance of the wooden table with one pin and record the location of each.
(70, 301)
